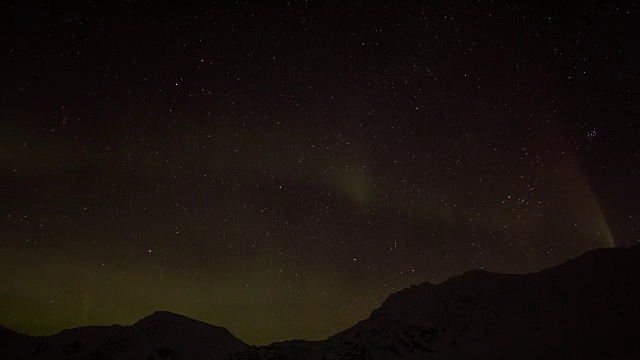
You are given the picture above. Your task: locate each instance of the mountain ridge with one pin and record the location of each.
(584, 307)
(161, 335)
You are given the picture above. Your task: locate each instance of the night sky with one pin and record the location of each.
(280, 171)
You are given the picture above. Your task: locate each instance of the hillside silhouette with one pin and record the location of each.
(586, 308)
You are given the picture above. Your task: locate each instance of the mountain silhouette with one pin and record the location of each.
(586, 308)
(162, 335)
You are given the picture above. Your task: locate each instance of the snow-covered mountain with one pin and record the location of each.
(586, 308)
(162, 335)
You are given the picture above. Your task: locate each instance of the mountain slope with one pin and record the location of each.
(162, 335)
(586, 308)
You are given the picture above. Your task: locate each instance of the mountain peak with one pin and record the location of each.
(165, 322)
(169, 318)
(166, 316)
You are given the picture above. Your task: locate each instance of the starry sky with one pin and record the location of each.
(280, 170)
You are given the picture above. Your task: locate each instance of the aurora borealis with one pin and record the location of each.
(280, 171)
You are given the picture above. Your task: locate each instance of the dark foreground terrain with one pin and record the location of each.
(586, 308)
